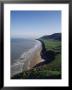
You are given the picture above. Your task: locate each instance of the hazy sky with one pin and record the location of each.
(34, 24)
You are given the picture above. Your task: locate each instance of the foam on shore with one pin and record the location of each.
(28, 59)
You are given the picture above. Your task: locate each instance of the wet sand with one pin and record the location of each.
(28, 59)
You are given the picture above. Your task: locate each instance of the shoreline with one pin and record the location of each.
(28, 59)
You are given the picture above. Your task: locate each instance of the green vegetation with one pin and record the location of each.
(51, 44)
(50, 70)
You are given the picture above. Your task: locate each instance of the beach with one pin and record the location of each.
(28, 59)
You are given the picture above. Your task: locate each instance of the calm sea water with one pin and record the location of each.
(18, 47)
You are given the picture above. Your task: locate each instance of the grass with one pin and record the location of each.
(51, 44)
(46, 71)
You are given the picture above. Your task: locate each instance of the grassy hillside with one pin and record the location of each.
(45, 70)
(55, 36)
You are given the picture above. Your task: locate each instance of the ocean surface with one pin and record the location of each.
(18, 47)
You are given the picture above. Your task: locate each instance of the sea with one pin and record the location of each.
(18, 47)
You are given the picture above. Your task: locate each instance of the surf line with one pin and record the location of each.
(28, 59)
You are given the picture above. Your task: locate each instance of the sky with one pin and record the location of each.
(34, 24)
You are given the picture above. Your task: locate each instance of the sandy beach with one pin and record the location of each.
(28, 59)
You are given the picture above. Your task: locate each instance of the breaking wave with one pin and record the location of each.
(28, 59)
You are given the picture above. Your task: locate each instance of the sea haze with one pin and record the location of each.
(18, 47)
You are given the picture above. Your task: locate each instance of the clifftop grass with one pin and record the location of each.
(50, 70)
